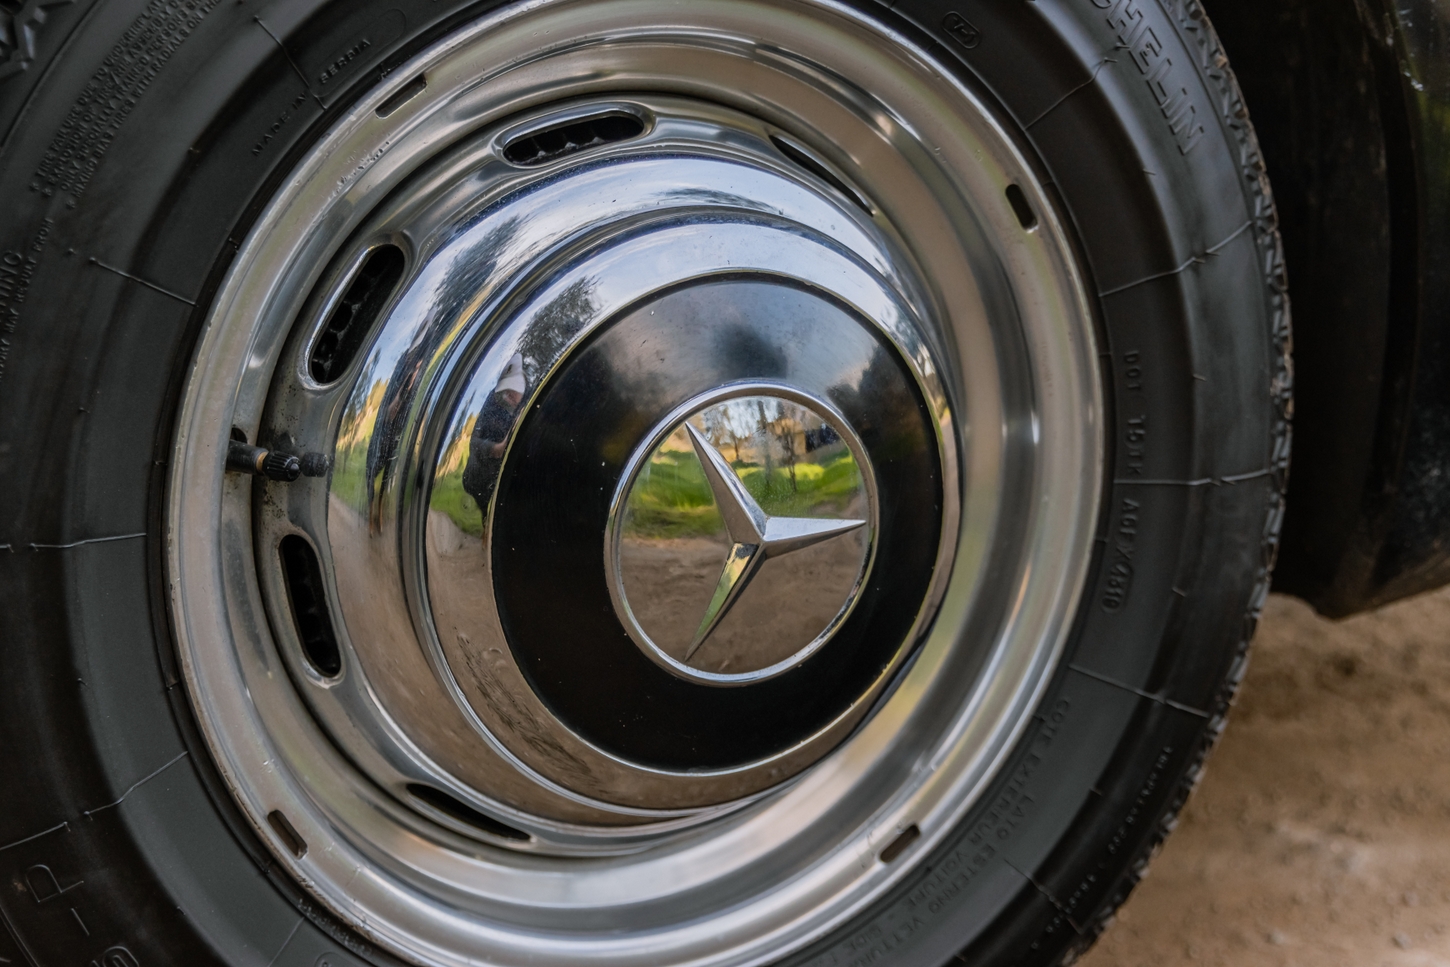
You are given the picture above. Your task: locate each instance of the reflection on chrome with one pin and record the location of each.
(708, 521)
(469, 466)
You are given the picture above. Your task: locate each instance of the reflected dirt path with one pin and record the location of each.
(790, 601)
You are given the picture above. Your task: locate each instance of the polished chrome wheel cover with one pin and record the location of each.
(785, 174)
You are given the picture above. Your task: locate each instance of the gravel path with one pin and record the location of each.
(1320, 836)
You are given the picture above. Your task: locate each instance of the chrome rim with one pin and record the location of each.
(546, 248)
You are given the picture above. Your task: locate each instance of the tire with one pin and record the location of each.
(144, 142)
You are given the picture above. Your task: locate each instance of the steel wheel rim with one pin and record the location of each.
(431, 891)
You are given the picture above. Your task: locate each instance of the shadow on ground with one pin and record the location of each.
(1320, 836)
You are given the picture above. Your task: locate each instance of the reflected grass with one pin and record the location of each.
(349, 481)
(349, 485)
(450, 498)
(672, 499)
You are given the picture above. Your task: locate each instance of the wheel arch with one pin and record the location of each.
(1350, 98)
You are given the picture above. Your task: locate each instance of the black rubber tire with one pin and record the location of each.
(139, 140)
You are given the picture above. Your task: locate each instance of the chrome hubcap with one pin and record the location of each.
(714, 463)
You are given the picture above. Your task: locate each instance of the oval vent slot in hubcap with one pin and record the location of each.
(354, 314)
(540, 147)
(309, 605)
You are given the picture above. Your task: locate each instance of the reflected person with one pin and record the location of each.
(490, 432)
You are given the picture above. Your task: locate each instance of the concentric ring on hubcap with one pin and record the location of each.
(496, 767)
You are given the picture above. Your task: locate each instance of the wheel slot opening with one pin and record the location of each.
(464, 813)
(803, 158)
(354, 314)
(1022, 208)
(898, 845)
(309, 605)
(293, 840)
(540, 147)
(411, 90)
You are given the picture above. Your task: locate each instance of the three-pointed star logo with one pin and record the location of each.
(755, 536)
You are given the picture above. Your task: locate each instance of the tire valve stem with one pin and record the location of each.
(273, 464)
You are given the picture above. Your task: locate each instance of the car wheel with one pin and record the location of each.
(620, 482)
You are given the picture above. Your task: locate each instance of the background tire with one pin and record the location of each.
(142, 140)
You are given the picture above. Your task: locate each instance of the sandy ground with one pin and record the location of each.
(1321, 834)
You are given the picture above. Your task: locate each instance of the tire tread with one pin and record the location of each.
(1193, 24)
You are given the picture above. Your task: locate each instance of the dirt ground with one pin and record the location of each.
(1321, 834)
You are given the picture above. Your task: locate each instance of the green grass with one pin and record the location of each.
(449, 498)
(348, 481)
(672, 497)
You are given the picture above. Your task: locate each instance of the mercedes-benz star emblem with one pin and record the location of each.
(755, 536)
(741, 536)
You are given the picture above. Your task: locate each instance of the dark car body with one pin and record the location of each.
(1351, 102)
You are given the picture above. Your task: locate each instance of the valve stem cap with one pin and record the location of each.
(315, 464)
(281, 466)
